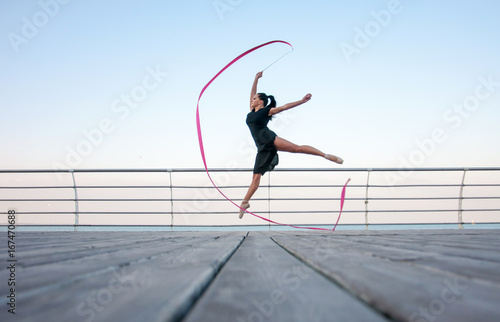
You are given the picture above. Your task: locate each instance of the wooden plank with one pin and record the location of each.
(52, 273)
(398, 250)
(462, 251)
(400, 290)
(430, 240)
(462, 243)
(65, 247)
(262, 282)
(159, 287)
(60, 241)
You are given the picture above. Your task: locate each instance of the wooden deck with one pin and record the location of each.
(421, 275)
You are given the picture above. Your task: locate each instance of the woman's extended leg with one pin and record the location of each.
(287, 146)
(251, 190)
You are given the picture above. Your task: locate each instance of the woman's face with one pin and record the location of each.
(256, 101)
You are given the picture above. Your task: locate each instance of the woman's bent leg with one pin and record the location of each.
(287, 146)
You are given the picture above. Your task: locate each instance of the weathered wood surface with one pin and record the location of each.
(410, 275)
(144, 277)
(262, 282)
(421, 275)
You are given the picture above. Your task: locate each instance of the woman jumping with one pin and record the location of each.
(262, 108)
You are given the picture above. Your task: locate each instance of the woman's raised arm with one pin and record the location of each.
(254, 87)
(276, 110)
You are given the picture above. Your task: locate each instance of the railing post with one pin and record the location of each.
(171, 200)
(269, 197)
(460, 208)
(77, 210)
(366, 198)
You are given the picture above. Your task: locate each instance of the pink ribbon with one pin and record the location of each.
(202, 149)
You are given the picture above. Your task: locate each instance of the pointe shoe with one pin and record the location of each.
(244, 205)
(334, 158)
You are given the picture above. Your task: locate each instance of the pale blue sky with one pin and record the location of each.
(66, 69)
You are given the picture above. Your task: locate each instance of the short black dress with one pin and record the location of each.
(267, 155)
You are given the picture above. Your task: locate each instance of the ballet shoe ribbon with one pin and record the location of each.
(202, 149)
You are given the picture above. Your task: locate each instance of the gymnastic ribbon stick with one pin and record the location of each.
(202, 149)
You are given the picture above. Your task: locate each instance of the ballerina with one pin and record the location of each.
(262, 108)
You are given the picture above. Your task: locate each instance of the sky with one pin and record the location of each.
(393, 82)
(114, 84)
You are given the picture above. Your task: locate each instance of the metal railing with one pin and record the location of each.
(296, 196)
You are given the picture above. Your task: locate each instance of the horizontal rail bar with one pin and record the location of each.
(235, 212)
(248, 170)
(253, 225)
(240, 187)
(255, 199)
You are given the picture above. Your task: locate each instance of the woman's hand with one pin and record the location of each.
(254, 87)
(306, 98)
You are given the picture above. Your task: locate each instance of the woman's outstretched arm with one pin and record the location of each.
(254, 87)
(276, 110)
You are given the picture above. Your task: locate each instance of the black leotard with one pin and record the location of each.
(267, 155)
